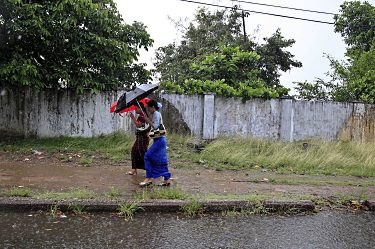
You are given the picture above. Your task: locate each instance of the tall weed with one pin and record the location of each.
(310, 157)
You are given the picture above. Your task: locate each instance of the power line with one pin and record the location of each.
(285, 7)
(257, 12)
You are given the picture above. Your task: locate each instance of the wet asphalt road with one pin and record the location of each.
(339, 229)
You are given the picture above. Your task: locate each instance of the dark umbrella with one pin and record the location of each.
(131, 97)
(128, 109)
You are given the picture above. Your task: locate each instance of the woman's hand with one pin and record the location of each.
(135, 121)
(148, 121)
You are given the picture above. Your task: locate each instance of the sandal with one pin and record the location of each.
(145, 184)
(132, 173)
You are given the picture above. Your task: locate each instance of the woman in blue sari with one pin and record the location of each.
(156, 160)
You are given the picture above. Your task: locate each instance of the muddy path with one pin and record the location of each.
(59, 172)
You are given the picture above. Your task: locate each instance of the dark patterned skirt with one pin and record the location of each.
(139, 149)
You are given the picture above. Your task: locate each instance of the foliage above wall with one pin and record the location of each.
(199, 63)
(230, 72)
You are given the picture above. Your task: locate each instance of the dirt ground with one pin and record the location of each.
(62, 172)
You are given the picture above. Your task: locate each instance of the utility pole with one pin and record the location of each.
(243, 24)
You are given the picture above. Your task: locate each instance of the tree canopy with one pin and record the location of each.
(353, 79)
(204, 39)
(229, 72)
(77, 44)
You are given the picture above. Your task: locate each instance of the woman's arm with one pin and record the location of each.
(149, 121)
(135, 121)
(156, 116)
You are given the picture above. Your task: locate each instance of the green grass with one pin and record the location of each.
(351, 200)
(113, 193)
(73, 194)
(181, 149)
(85, 161)
(258, 198)
(192, 208)
(257, 209)
(250, 197)
(289, 180)
(116, 146)
(54, 210)
(20, 192)
(78, 209)
(127, 210)
(313, 157)
(318, 157)
(160, 193)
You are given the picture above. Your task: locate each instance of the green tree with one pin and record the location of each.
(207, 33)
(353, 79)
(203, 37)
(357, 27)
(229, 72)
(76, 44)
(275, 58)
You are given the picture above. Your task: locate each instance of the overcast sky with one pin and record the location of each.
(312, 39)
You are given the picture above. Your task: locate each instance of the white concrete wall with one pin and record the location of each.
(59, 113)
(11, 112)
(191, 109)
(255, 118)
(320, 119)
(63, 113)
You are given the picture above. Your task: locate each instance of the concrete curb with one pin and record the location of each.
(18, 204)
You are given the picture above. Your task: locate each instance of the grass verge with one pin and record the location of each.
(114, 146)
(160, 193)
(73, 194)
(19, 192)
(312, 157)
(113, 193)
(308, 157)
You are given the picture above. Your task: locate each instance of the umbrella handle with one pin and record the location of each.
(140, 108)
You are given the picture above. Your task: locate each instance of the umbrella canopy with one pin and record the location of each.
(131, 97)
(130, 108)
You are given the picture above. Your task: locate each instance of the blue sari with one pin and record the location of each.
(156, 160)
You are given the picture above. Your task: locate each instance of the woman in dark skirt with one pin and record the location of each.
(142, 140)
